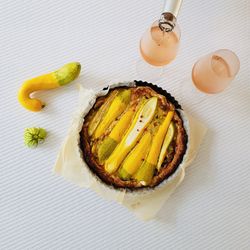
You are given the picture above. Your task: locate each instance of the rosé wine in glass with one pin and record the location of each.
(158, 47)
(214, 72)
(159, 44)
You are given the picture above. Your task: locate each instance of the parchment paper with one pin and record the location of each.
(145, 204)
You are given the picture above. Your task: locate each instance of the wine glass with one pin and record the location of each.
(158, 47)
(211, 74)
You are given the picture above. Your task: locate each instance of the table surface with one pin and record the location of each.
(39, 210)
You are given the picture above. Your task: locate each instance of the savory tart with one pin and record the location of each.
(134, 137)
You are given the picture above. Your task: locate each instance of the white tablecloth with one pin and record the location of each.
(38, 210)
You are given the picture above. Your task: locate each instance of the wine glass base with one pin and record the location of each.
(190, 95)
(148, 72)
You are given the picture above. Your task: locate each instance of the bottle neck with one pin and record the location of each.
(172, 6)
(167, 22)
(168, 17)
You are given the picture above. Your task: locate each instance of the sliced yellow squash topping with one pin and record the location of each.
(146, 171)
(122, 125)
(110, 142)
(168, 138)
(143, 117)
(134, 160)
(100, 113)
(118, 105)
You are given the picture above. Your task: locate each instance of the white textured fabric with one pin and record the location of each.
(38, 210)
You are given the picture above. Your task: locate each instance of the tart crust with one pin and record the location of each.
(166, 102)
